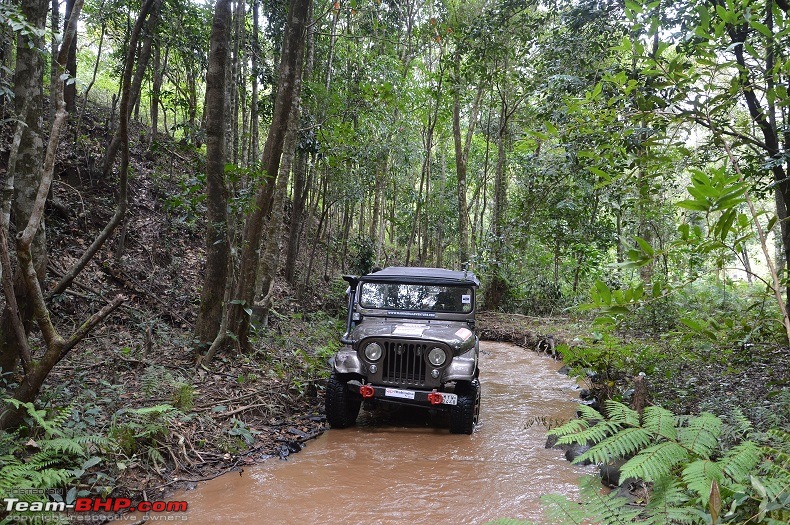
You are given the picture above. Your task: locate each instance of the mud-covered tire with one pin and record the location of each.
(342, 405)
(464, 415)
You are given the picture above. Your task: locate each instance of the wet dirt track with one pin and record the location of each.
(402, 467)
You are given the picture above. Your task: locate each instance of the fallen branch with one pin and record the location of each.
(224, 415)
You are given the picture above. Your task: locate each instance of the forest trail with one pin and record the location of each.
(398, 467)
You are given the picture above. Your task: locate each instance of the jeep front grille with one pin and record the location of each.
(404, 362)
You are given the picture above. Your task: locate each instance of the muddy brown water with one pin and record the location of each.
(402, 467)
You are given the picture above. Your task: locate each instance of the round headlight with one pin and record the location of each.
(373, 351)
(436, 356)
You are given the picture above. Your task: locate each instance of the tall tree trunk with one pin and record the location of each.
(297, 214)
(25, 168)
(495, 291)
(217, 245)
(439, 262)
(236, 81)
(255, 68)
(332, 41)
(54, 45)
(270, 259)
(70, 89)
(462, 147)
(93, 76)
(293, 47)
(301, 177)
(156, 90)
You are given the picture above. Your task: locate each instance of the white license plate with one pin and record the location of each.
(396, 392)
(449, 399)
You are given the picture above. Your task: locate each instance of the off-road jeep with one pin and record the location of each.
(409, 340)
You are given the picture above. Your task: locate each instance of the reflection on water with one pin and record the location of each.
(402, 467)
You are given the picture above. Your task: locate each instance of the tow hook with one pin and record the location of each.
(366, 391)
(435, 398)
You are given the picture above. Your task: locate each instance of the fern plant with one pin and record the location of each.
(692, 477)
(44, 454)
(144, 429)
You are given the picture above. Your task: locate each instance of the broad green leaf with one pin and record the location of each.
(646, 248)
(694, 324)
(762, 28)
(693, 205)
(604, 294)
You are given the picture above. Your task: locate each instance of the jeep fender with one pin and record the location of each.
(346, 361)
(463, 366)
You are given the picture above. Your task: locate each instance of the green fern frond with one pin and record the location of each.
(779, 441)
(573, 426)
(661, 422)
(589, 413)
(741, 423)
(51, 478)
(598, 508)
(740, 461)
(770, 521)
(63, 445)
(44, 459)
(701, 436)
(50, 427)
(61, 416)
(594, 434)
(654, 462)
(621, 413)
(775, 487)
(667, 504)
(622, 444)
(699, 475)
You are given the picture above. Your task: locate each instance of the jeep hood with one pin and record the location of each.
(457, 335)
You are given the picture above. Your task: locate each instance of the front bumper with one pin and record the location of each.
(405, 396)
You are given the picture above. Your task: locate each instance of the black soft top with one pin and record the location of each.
(418, 275)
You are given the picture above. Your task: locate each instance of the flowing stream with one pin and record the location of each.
(402, 467)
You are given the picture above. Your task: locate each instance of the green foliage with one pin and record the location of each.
(143, 429)
(596, 508)
(298, 355)
(11, 16)
(184, 397)
(44, 453)
(692, 476)
(362, 256)
(605, 361)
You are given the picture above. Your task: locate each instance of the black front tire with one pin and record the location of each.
(465, 415)
(342, 405)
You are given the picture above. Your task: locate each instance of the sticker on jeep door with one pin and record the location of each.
(397, 392)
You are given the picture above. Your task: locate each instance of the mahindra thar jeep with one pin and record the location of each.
(410, 340)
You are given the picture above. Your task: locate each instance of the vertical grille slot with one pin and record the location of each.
(404, 362)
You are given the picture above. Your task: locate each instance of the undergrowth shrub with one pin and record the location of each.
(142, 432)
(605, 362)
(44, 453)
(691, 475)
(300, 352)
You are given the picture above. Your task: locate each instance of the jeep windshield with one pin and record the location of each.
(416, 297)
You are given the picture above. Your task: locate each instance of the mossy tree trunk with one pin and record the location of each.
(217, 242)
(24, 172)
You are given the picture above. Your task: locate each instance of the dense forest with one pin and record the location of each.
(183, 183)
